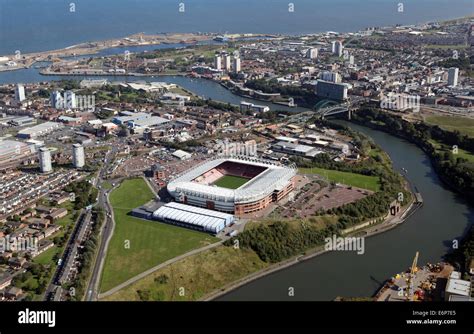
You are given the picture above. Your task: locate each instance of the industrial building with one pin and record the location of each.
(78, 156)
(457, 288)
(45, 160)
(139, 125)
(195, 218)
(181, 155)
(11, 149)
(296, 149)
(246, 106)
(38, 130)
(23, 121)
(129, 116)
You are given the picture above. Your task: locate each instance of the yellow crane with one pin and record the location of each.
(411, 275)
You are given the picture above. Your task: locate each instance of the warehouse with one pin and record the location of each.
(11, 149)
(192, 217)
(139, 125)
(181, 155)
(38, 130)
(296, 149)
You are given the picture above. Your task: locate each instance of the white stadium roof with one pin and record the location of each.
(274, 177)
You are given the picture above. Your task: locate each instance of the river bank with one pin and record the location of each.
(373, 230)
(430, 230)
(425, 146)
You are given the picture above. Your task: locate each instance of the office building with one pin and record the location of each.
(45, 160)
(453, 74)
(78, 156)
(332, 91)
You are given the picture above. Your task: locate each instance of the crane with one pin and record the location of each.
(411, 275)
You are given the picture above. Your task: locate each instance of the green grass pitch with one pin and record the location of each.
(231, 182)
(138, 244)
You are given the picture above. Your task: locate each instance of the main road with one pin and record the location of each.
(108, 228)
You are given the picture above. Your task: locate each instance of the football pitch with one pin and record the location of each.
(231, 182)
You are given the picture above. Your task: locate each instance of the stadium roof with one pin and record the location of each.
(274, 177)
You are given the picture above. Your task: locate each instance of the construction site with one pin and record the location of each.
(432, 282)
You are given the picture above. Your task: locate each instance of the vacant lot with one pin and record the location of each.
(351, 179)
(230, 181)
(138, 244)
(462, 124)
(193, 277)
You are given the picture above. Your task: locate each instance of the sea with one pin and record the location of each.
(40, 25)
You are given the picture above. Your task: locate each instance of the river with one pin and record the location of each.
(202, 87)
(444, 217)
(431, 230)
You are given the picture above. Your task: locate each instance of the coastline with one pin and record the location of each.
(92, 48)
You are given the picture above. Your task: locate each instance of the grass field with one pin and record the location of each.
(231, 182)
(193, 277)
(47, 256)
(138, 244)
(351, 179)
(461, 153)
(462, 124)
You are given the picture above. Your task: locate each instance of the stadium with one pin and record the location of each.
(237, 185)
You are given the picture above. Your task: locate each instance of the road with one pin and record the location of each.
(157, 267)
(84, 217)
(107, 230)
